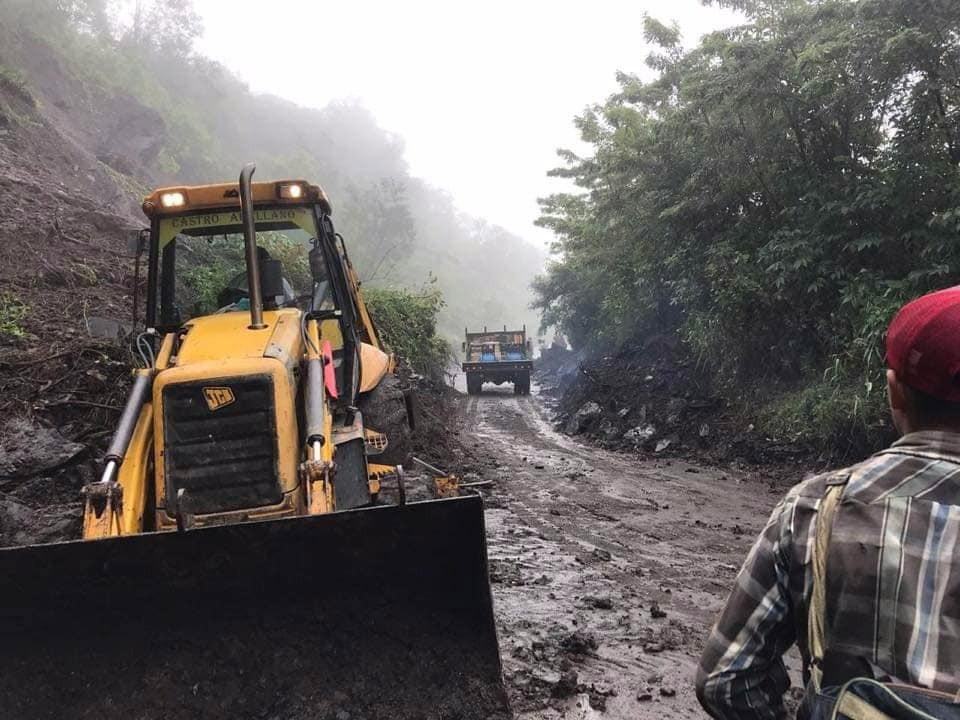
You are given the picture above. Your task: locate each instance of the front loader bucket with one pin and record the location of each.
(379, 613)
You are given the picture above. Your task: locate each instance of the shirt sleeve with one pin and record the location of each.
(741, 673)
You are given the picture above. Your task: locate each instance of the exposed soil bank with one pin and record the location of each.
(652, 401)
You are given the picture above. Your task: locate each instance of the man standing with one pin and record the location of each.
(892, 600)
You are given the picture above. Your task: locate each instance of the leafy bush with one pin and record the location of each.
(209, 264)
(203, 283)
(206, 266)
(407, 323)
(12, 314)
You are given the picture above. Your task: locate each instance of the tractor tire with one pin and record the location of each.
(384, 409)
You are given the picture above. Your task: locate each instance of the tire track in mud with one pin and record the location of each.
(588, 546)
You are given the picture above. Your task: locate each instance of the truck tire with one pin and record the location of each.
(384, 409)
(474, 384)
(525, 384)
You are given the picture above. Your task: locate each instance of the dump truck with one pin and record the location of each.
(238, 556)
(498, 357)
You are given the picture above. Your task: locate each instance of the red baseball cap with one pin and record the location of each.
(923, 344)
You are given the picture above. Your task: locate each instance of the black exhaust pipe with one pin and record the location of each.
(250, 246)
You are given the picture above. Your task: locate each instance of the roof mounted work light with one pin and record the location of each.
(290, 191)
(173, 199)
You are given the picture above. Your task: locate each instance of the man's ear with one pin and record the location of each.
(901, 403)
(897, 392)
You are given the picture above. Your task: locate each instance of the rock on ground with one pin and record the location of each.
(28, 449)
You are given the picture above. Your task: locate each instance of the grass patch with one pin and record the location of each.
(14, 82)
(839, 415)
(12, 314)
(83, 275)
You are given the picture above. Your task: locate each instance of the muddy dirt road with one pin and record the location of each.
(607, 569)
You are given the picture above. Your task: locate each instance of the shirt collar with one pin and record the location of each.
(930, 443)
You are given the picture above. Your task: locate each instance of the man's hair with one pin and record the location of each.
(933, 411)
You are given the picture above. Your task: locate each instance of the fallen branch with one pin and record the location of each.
(85, 403)
(34, 361)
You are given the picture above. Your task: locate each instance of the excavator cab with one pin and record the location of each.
(236, 560)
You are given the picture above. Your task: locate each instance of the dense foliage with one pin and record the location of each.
(772, 195)
(101, 59)
(407, 323)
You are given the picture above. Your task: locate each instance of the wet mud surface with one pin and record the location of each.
(607, 569)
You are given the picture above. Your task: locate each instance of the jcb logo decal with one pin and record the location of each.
(218, 397)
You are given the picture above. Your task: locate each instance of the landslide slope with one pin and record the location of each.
(66, 281)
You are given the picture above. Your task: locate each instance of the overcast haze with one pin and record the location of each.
(483, 94)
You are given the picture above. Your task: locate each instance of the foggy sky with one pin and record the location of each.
(482, 93)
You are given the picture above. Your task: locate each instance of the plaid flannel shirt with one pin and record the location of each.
(893, 581)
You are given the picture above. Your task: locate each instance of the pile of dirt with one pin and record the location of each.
(652, 399)
(439, 433)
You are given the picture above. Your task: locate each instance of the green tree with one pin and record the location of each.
(166, 27)
(773, 195)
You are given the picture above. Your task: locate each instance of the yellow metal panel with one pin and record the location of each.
(166, 349)
(286, 342)
(227, 335)
(220, 372)
(374, 364)
(106, 525)
(134, 475)
(133, 479)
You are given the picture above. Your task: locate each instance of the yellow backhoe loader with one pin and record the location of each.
(235, 560)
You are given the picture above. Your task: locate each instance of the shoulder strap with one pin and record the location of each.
(816, 615)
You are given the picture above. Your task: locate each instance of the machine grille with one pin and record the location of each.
(220, 444)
